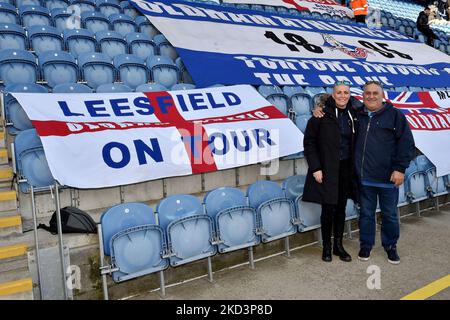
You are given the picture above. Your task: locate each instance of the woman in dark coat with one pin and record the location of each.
(328, 144)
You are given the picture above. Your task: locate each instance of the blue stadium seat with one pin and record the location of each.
(56, 4)
(189, 230)
(113, 87)
(351, 210)
(96, 69)
(164, 47)
(108, 7)
(72, 88)
(293, 188)
(16, 118)
(182, 86)
(84, 5)
(18, 66)
(45, 38)
(63, 19)
(308, 215)
(8, 13)
(151, 87)
(415, 183)
(31, 164)
(131, 70)
(95, 21)
(111, 43)
(146, 27)
(59, 67)
(163, 70)
(79, 41)
(12, 36)
(141, 45)
(312, 91)
(275, 95)
(235, 222)
(185, 76)
(435, 185)
(20, 3)
(299, 101)
(35, 16)
(276, 213)
(122, 24)
(129, 10)
(301, 121)
(134, 241)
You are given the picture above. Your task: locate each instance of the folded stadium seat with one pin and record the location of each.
(301, 121)
(131, 70)
(8, 13)
(188, 229)
(182, 86)
(95, 21)
(35, 16)
(84, 5)
(257, 7)
(435, 185)
(146, 27)
(20, 3)
(31, 165)
(415, 183)
(270, 9)
(122, 24)
(130, 235)
(56, 4)
(141, 45)
(18, 66)
(129, 10)
(275, 95)
(276, 214)
(96, 69)
(163, 70)
(113, 87)
(111, 43)
(151, 87)
(294, 12)
(164, 47)
(12, 36)
(62, 19)
(185, 76)
(235, 221)
(312, 91)
(281, 10)
(299, 101)
(79, 41)
(58, 67)
(15, 117)
(108, 7)
(45, 38)
(409, 30)
(293, 188)
(242, 6)
(72, 88)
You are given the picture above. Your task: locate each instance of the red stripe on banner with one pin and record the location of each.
(426, 98)
(193, 134)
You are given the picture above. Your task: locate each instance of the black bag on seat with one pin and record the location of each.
(73, 220)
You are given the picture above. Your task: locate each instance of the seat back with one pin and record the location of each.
(18, 66)
(163, 70)
(59, 67)
(301, 122)
(111, 43)
(45, 38)
(8, 13)
(56, 4)
(141, 45)
(95, 21)
(35, 16)
(146, 27)
(131, 70)
(164, 47)
(309, 215)
(84, 5)
(108, 7)
(12, 36)
(275, 95)
(122, 24)
(293, 187)
(262, 191)
(79, 41)
(97, 69)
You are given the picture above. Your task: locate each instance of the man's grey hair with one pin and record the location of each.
(377, 83)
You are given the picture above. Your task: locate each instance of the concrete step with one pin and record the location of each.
(10, 224)
(6, 176)
(4, 156)
(12, 251)
(2, 139)
(21, 289)
(8, 200)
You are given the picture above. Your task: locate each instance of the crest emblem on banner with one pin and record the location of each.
(354, 52)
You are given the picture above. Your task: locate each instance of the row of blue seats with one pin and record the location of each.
(59, 67)
(40, 39)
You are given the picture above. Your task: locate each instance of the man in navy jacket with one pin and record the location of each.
(384, 147)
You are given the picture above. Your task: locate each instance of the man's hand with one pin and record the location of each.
(318, 176)
(318, 112)
(397, 178)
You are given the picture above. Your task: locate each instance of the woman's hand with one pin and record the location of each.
(318, 176)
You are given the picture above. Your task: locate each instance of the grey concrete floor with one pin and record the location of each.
(424, 249)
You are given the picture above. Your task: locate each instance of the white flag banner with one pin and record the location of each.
(321, 6)
(104, 140)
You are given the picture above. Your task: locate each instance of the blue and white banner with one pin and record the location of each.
(321, 6)
(224, 45)
(103, 140)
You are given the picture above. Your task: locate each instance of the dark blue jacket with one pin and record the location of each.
(384, 144)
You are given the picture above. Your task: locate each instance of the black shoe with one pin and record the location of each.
(326, 254)
(364, 254)
(393, 256)
(338, 250)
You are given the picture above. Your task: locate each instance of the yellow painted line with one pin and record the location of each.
(12, 221)
(3, 153)
(429, 290)
(6, 173)
(7, 195)
(13, 251)
(17, 286)
(2, 135)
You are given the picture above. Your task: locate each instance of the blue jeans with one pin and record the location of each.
(390, 227)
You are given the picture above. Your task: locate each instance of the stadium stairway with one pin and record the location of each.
(15, 279)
